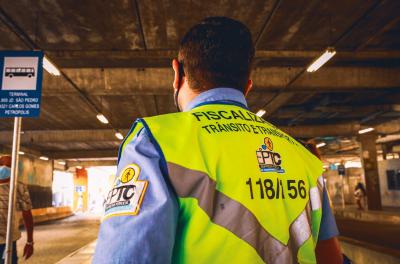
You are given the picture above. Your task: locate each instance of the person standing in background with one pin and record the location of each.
(359, 195)
(23, 203)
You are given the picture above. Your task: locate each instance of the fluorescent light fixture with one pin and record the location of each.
(353, 164)
(320, 145)
(44, 158)
(102, 118)
(50, 67)
(79, 167)
(119, 136)
(21, 153)
(366, 130)
(62, 163)
(261, 112)
(327, 55)
(337, 163)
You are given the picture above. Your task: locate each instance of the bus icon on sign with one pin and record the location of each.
(19, 72)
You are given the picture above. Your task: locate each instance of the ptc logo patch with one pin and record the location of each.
(268, 160)
(127, 194)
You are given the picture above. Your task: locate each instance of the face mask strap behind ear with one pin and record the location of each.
(176, 100)
(176, 94)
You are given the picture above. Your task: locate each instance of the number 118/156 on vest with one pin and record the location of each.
(269, 189)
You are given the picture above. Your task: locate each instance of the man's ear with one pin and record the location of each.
(248, 87)
(175, 66)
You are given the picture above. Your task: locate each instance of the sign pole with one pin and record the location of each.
(21, 76)
(13, 185)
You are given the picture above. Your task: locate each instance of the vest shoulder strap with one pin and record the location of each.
(136, 127)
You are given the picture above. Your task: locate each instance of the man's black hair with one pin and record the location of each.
(217, 52)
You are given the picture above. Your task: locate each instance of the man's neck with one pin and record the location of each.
(187, 96)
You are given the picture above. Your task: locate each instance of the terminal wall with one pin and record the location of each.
(334, 184)
(390, 198)
(38, 176)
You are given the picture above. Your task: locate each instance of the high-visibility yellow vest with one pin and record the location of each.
(248, 193)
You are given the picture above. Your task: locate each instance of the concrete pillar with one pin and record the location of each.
(81, 190)
(384, 151)
(370, 166)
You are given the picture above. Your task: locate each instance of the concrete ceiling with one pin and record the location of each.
(115, 57)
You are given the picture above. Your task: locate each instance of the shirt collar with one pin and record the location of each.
(222, 94)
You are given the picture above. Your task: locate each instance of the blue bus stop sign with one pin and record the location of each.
(21, 75)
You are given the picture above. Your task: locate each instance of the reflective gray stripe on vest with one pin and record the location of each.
(316, 194)
(225, 211)
(315, 198)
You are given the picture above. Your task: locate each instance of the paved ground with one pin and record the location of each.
(384, 235)
(361, 253)
(57, 239)
(83, 255)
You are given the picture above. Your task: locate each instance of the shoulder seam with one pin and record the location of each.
(121, 146)
(163, 160)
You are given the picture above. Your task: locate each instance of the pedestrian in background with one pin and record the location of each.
(23, 203)
(359, 195)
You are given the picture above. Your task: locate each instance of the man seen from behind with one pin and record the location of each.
(215, 183)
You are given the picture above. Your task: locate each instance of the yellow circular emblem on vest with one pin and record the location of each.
(268, 143)
(127, 175)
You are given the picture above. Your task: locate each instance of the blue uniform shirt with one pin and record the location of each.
(149, 236)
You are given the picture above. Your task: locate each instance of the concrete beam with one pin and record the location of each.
(102, 135)
(131, 81)
(358, 108)
(162, 58)
(342, 155)
(6, 149)
(348, 129)
(334, 77)
(351, 77)
(294, 111)
(388, 139)
(91, 163)
(390, 127)
(276, 102)
(55, 136)
(107, 135)
(83, 154)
